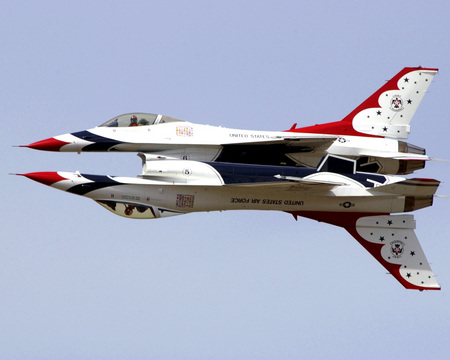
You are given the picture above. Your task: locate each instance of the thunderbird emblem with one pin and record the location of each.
(396, 103)
(397, 248)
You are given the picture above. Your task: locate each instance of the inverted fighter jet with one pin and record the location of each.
(370, 134)
(361, 203)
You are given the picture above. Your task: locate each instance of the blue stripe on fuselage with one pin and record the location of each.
(100, 143)
(99, 182)
(247, 173)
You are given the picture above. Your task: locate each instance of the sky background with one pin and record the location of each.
(77, 282)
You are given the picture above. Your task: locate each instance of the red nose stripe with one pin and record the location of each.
(46, 177)
(50, 144)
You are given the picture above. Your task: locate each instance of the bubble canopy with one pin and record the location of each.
(138, 119)
(136, 211)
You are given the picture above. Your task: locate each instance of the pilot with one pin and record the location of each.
(129, 209)
(133, 121)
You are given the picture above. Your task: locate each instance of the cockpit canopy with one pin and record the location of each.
(138, 119)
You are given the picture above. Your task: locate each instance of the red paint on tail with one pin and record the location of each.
(348, 222)
(345, 126)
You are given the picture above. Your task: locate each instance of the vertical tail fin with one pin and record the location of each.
(390, 239)
(387, 112)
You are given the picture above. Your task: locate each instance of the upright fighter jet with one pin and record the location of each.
(371, 134)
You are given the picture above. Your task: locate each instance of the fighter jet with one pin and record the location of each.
(370, 134)
(335, 193)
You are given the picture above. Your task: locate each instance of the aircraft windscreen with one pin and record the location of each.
(138, 119)
(134, 211)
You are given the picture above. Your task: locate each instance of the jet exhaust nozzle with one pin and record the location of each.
(417, 202)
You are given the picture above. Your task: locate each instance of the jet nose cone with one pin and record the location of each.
(45, 177)
(50, 144)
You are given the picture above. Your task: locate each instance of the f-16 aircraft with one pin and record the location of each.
(362, 203)
(369, 134)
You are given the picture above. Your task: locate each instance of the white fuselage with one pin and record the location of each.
(179, 192)
(189, 141)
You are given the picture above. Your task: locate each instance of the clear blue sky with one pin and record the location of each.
(77, 282)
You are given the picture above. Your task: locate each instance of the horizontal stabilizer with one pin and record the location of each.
(411, 187)
(395, 155)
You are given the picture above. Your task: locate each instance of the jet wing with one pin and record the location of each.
(391, 240)
(411, 187)
(274, 151)
(310, 142)
(293, 183)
